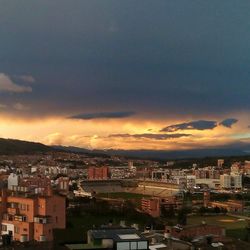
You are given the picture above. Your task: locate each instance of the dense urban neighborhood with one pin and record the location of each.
(66, 200)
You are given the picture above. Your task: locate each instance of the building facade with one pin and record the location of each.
(31, 217)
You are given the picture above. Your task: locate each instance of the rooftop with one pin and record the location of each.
(117, 234)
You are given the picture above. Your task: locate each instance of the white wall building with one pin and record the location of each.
(225, 181)
(191, 181)
(231, 181)
(13, 180)
(236, 180)
(211, 183)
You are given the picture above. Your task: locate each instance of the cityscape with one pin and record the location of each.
(124, 125)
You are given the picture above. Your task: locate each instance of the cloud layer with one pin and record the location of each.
(103, 115)
(194, 125)
(199, 125)
(150, 136)
(228, 122)
(177, 70)
(7, 85)
(102, 55)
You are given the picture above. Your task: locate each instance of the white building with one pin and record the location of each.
(231, 181)
(225, 181)
(220, 163)
(13, 180)
(235, 168)
(211, 183)
(191, 181)
(236, 180)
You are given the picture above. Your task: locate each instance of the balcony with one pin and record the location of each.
(12, 211)
(8, 217)
(42, 219)
(21, 218)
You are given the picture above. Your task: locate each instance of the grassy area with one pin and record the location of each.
(121, 195)
(226, 221)
(234, 227)
(239, 233)
(135, 198)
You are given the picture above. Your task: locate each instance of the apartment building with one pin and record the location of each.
(95, 173)
(231, 181)
(151, 206)
(28, 217)
(225, 181)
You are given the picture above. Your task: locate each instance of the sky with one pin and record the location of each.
(125, 74)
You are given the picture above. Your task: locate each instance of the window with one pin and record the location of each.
(123, 246)
(13, 205)
(20, 218)
(16, 230)
(22, 206)
(133, 245)
(142, 245)
(4, 228)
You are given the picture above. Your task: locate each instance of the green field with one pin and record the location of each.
(235, 227)
(121, 195)
(228, 222)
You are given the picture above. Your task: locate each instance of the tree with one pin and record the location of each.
(167, 212)
(217, 210)
(202, 210)
(182, 217)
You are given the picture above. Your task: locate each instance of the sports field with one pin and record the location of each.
(121, 195)
(235, 227)
(226, 221)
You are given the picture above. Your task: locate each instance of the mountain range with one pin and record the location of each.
(11, 147)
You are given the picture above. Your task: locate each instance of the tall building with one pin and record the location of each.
(236, 180)
(231, 181)
(225, 181)
(130, 164)
(220, 163)
(95, 173)
(29, 217)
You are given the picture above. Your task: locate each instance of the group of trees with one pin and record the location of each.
(216, 210)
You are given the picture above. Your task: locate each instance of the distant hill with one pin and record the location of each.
(14, 147)
(77, 150)
(236, 149)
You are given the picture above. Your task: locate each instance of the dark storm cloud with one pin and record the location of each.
(194, 125)
(228, 122)
(200, 125)
(148, 57)
(150, 136)
(103, 115)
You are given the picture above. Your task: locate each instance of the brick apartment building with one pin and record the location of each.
(95, 173)
(153, 206)
(27, 216)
